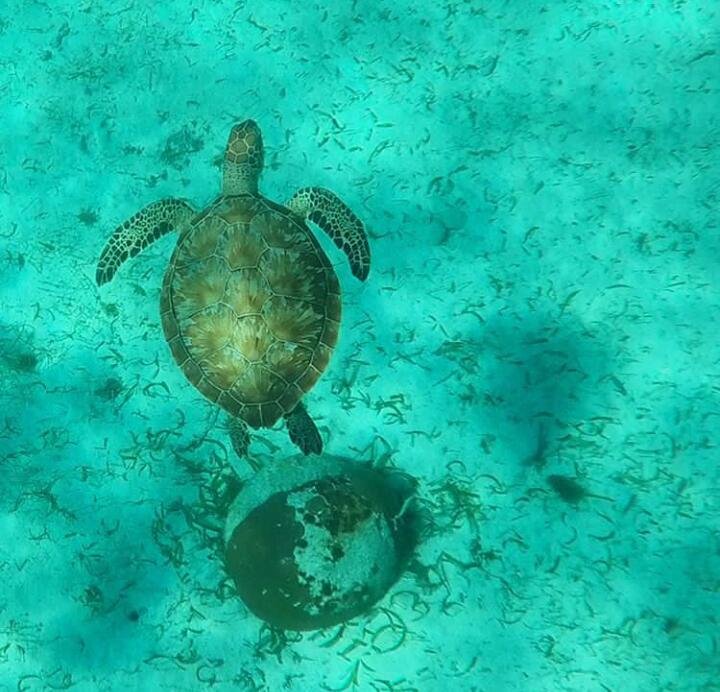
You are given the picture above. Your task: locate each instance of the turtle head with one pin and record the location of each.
(243, 159)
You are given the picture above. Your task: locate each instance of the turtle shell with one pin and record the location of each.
(250, 307)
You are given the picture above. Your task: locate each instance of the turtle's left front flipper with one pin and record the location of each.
(345, 229)
(139, 231)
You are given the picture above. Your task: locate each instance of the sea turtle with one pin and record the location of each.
(250, 303)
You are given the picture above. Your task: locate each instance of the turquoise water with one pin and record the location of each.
(536, 343)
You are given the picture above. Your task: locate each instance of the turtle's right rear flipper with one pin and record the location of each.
(303, 431)
(139, 231)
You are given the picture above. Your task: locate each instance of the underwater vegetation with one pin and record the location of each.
(17, 349)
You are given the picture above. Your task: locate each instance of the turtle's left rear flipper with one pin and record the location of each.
(139, 231)
(345, 229)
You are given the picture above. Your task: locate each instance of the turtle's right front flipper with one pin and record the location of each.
(139, 231)
(345, 229)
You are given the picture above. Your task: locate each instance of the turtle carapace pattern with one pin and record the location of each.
(250, 303)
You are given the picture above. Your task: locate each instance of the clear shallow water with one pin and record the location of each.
(540, 185)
